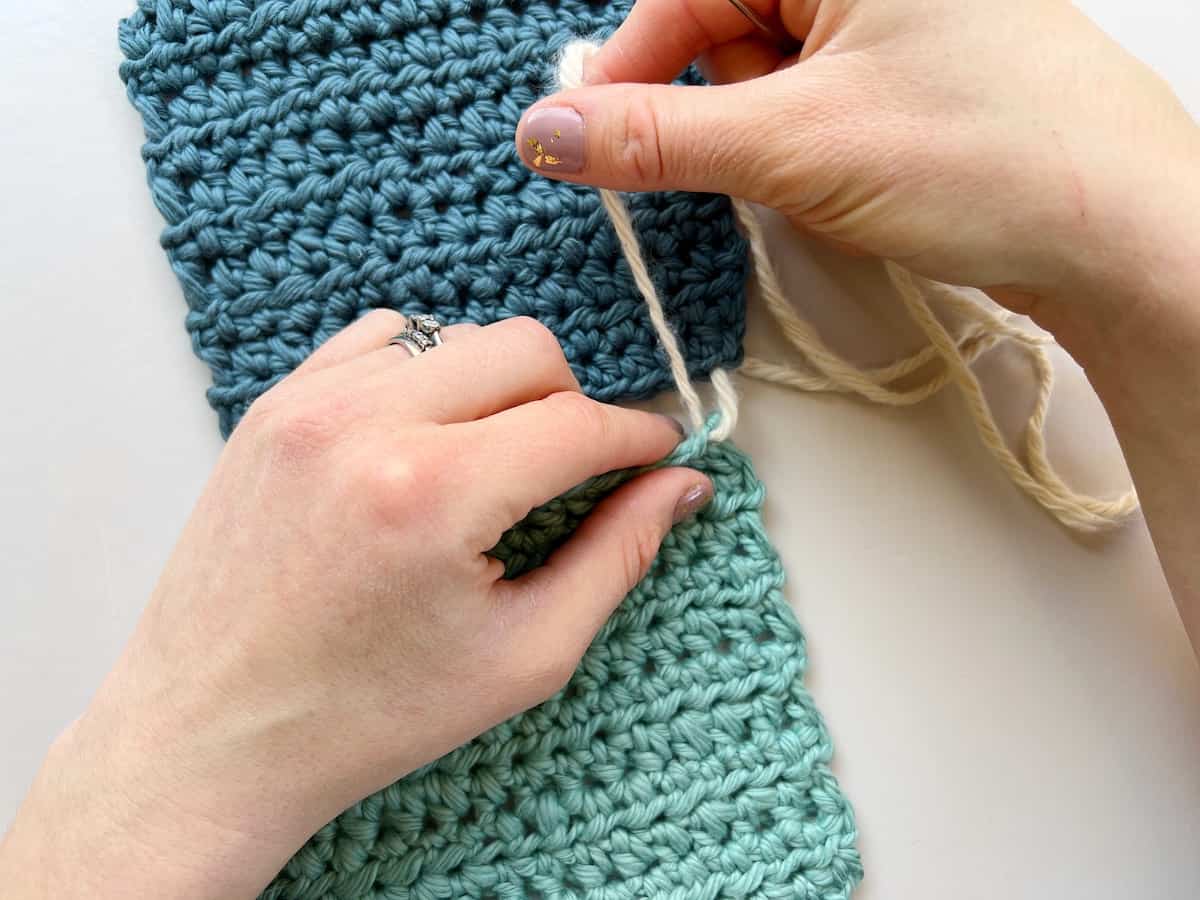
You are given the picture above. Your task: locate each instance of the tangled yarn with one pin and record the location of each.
(945, 360)
(317, 158)
(683, 761)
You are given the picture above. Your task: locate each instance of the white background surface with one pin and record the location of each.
(1016, 713)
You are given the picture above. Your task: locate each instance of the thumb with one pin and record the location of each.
(727, 139)
(573, 594)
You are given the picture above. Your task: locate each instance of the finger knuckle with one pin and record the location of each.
(583, 418)
(294, 428)
(386, 317)
(390, 490)
(534, 337)
(638, 141)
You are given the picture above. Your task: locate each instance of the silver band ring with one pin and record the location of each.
(401, 340)
(423, 333)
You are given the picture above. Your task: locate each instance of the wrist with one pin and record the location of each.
(1129, 278)
(106, 818)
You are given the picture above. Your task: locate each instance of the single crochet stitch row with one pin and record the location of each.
(683, 761)
(314, 159)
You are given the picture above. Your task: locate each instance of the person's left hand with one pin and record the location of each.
(330, 619)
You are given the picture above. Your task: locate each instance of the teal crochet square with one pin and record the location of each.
(314, 159)
(317, 158)
(684, 760)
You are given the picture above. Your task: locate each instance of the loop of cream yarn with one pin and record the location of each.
(824, 370)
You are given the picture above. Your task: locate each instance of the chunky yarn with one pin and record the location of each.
(683, 761)
(945, 360)
(317, 158)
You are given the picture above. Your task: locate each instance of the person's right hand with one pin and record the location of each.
(1012, 147)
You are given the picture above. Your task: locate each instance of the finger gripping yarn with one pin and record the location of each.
(683, 761)
(825, 370)
(314, 159)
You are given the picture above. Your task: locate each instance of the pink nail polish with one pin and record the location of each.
(693, 500)
(551, 140)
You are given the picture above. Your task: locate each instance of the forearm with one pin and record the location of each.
(1151, 390)
(1137, 334)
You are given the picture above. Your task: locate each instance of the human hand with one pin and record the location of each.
(329, 620)
(1011, 147)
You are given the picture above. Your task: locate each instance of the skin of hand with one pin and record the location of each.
(1012, 147)
(329, 620)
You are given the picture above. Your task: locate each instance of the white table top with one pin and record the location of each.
(1016, 712)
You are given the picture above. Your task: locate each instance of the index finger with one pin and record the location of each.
(521, 457)
(660, 38)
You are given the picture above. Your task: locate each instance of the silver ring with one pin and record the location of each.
(423, 333)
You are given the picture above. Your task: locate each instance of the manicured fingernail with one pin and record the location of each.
(693, 500)
(551, 140)
(674, 423)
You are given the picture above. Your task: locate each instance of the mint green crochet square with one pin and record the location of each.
(684, 760)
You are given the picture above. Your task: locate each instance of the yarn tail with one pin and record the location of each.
(825, 370)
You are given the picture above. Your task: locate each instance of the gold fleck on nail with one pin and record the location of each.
(557, 135)
(540, 156)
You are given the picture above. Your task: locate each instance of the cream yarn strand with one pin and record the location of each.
(824, 370)
(570, 74)
(722, 385)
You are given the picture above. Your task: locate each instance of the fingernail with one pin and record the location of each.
(693, 500)
(674, 423)
(551, 140)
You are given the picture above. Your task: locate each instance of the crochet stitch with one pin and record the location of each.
(317, 158)
(683, 761)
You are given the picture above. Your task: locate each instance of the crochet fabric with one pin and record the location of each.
(317, 158)
(684, 760)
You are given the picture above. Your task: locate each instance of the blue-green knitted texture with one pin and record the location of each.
(314, 159)
(683, 761)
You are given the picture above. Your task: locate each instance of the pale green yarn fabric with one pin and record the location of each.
(685, 759)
